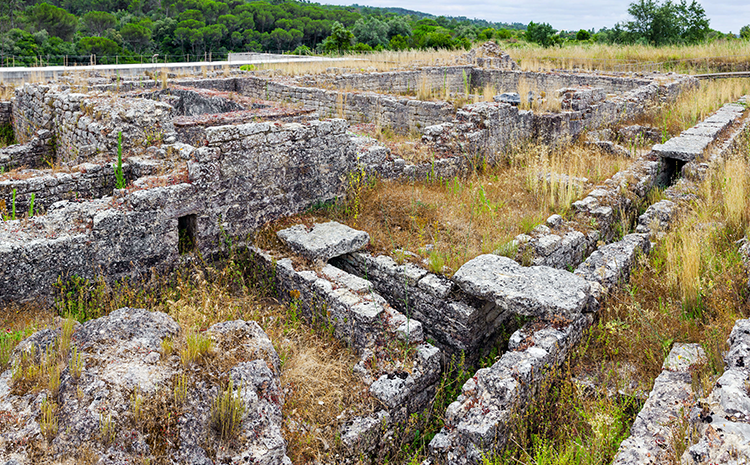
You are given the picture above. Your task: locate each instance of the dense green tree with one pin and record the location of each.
(371, 31)
(745, 32)
(137, 36)
(668, 22)
(583, 34)
(542, 34)
(54, 20)
(97, 22)
(100, 46)
(340, 40)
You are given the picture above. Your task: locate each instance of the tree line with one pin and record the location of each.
(190, 29)
(183, 30)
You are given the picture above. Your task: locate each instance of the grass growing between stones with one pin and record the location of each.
(691, 288)
(316, 373)
(446, 222)
(693, 106)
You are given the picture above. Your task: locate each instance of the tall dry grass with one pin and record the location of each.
(699, 58)
(447, 222)
(695, 105)
(378, 61)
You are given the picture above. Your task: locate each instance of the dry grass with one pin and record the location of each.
(695, 105)
(691, 288)
(447, 222)
(701, 58)
(381, 61)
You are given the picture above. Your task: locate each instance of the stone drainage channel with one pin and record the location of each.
(370, 301)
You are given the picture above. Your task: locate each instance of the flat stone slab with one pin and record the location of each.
(324, 241)
(528, 291)
(685, 147)
(703, 130)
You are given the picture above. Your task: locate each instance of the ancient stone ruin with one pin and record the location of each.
(124, 178)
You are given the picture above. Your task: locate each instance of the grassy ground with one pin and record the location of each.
(449, 221)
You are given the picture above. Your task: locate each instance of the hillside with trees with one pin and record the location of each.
(75, 31)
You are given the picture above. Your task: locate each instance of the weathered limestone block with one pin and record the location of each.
(610, 265)
(657, 218)
(324, 240)
(684, 147)
(121, 357)
(530, 291)
(669, 401)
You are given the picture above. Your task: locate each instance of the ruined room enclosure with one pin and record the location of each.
(209, 162)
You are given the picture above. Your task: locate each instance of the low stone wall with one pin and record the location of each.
(86, 125)
(31, 154)
(456, 321)
(507, 81)
(652, 432)
(450, 79)
(85, 181)
(359, 316)
(247, 176)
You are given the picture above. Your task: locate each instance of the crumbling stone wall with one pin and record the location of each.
(507, 81)
(85, 181)
(84, 125)
(400, 113)
(248, 175)
(453, 79)
(31, 154)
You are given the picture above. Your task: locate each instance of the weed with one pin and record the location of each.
(167, 347)
(228, 412)
(136, 404)
(31, 205)
(196, 346)
(120, 181)
(107, 429)
(48, 419)
(75, 363)
(180, 389)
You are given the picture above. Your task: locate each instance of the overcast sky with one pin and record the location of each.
(725, 15)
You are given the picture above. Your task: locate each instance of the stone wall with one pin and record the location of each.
(247, 176)
(85, 181)
(86, 125)
(31, 154)
(507, 81)
(451, 79)
(6, 113)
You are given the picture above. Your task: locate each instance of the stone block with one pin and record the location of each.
(324, 240)
(530, 291)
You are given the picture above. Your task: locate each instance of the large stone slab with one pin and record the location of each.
(528, 291)
(685, 147)
(324, 240)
